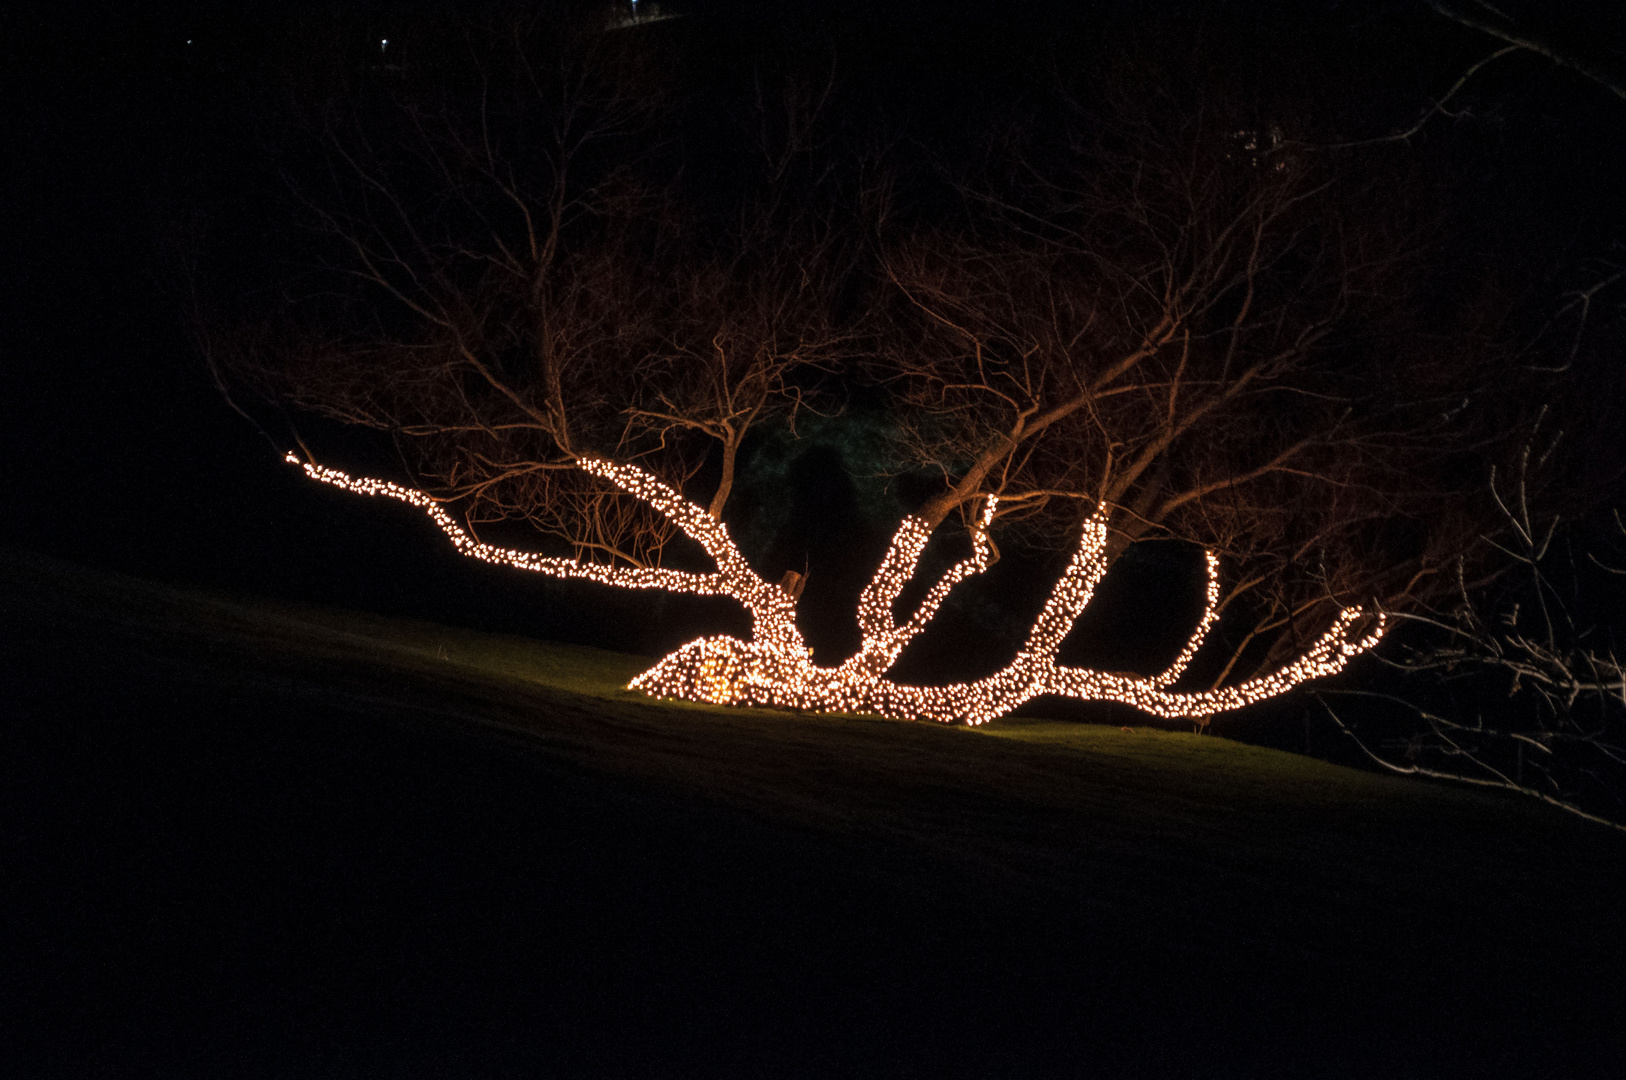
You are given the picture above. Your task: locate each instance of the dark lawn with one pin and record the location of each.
(243, 839)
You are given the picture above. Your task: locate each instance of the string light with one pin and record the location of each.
(775, 668)
(1204, 625)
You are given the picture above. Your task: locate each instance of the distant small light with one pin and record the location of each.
(189, 41)
(382, 45)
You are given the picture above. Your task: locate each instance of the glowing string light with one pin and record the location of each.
(882, 638)
(1210, 612)
(775, 668)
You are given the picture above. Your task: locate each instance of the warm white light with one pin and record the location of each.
(775, 667)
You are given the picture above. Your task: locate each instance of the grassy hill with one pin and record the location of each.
(247, 838)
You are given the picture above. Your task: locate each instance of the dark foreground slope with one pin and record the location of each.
(243, 840)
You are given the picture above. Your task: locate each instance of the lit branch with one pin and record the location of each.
(775, 668)
(883, 638)
(772, 612)
(1198, 636)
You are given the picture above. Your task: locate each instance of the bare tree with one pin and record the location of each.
(1196, 332)
(511, 290)
(1495, 21)
(1163, 325)
(1501, 680)
(1510, 689)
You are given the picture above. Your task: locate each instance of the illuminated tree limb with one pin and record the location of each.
(775, 667)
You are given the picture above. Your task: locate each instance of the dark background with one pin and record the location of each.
(206, 872)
